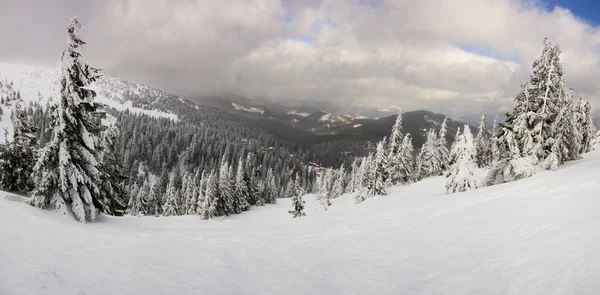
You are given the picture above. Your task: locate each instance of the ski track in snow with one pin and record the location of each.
(535, 236)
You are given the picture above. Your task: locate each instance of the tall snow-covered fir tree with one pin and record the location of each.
(199, 191)
(208, 208)
(351, 187)
(542, 118)
(18, 156)
(377, 184)
(566, 141)
(460, 176)
(586, 126)
(454, 147)
(441, 146)
(363, 178)
(68, 172)
(482, 144)
(337, 189)
(494, 144)
(429, 162)
(406, 160)
(192, 200)
(187, 193)
(151, 204)
(394, 150)
(171, 206)
(136, 202)
(240, 192)
(396, 137)
(271, 188)
(323, 192)
(297, 200)
(452, 153)
(224, 203)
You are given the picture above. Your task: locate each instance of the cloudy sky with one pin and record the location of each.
(458, 57)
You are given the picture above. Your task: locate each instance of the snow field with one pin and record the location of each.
(536, 236)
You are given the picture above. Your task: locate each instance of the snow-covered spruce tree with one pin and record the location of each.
(209, 207)
(407, 160)
(161, 189)
(200, 193)
(152, 202)
(429, 162)
(271, 187)
(182, 201)
(360, 173)
(367, 177)
(461, 176)
(113, 179)
(441, 147)
(297, 200)
(458, 138)
(377, 185)
(494, 143)
(512, 164)
(537, 115)
(323, 193)
(396, 137)
(240, 193)
(394, 150)
(585, 125)
(194, 188)
(351, 187)
(224, 203)
(187, 194)
(262, 191)
(566, 144)
(337, 189)
(18, 157)
(250, 179)
(136, 202)
(170, 208)
(68, 173)
(142, 196)
(482, 144)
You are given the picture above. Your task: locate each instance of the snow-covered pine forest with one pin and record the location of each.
(165, 156)
(91, 150)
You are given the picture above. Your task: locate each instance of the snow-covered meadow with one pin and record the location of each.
(540, 235)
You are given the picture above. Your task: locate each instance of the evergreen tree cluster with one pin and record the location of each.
(546, 128)
(393, 162)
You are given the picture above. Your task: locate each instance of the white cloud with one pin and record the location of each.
(401, 52)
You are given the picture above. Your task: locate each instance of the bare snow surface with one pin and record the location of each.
(536, 236)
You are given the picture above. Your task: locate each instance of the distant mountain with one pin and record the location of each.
(415, 122)
(302, 117)
(301, 122)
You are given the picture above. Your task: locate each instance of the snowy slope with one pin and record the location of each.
(39, 83)
(536, 236)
